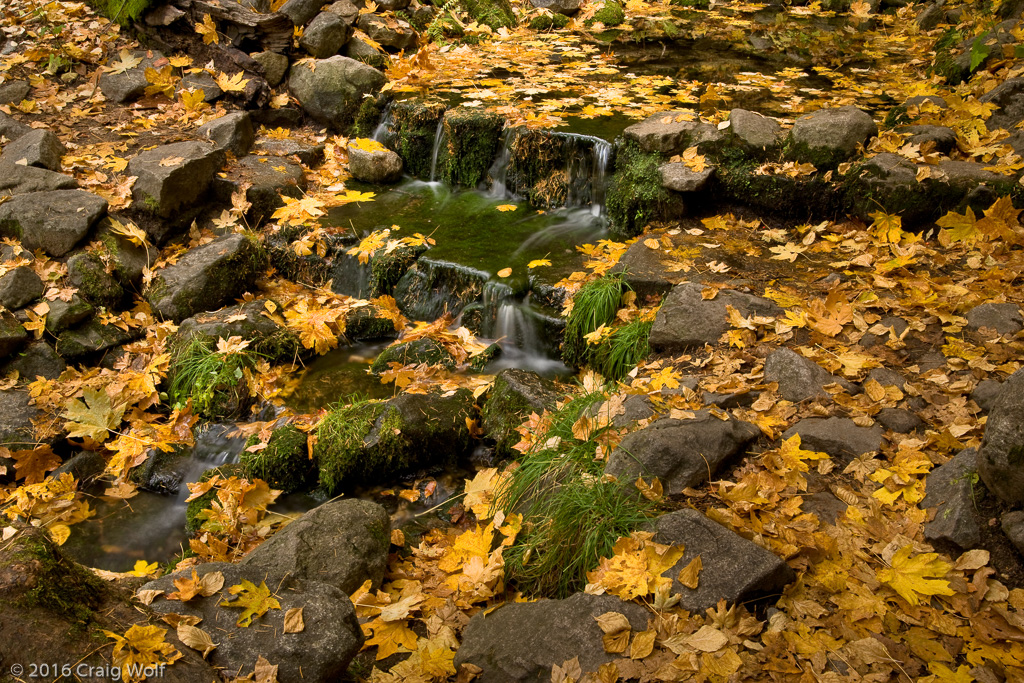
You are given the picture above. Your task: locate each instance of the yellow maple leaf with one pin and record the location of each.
(141, 647)
(351, 196)
(474, 543)
(93, 415)
(232, 83)
(193, 100)
(390, 637)
(506, 207)
(298, 211)
(888, 228)
(912, 577)
(208, 30)
(254, 601)
(958, 228)
(143, 569)
(367, 145)
(538, 263)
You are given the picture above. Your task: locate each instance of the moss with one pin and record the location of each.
(369, 115)
(694, 4)
(192, 519)
(417, 351)
(471, 138)
(635, 195)
(416, 123)
(897, 116)
(494, 13)
(823, 158)
(945, 63)
(364, 324)
(339, 445)
(386, 269)
(62, 587)
(610, 14)
(799, 199)
(88, 273)
(545, 22)
(215, 382)
(478, 363)
(123, 12)
(284, 464)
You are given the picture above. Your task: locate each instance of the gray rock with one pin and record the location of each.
(831, 135)
(12, 335)
(38, 359)
(202, 80)
(301, 11)
(1008, 96)
(19, 287)
(342, 543)
(1003, 318)
(131, 84)
(325, 35)
(645, 272)
(895, 325)
(521, 642)
(920, 100)
(677, 176)
(1013, 528)
(931, 16)
(268, 180)
(84, 466)
(953, 489)
(39, 148)
(987, 393)
(1001, 456)
(52, 221)
(392, 5)
(18, 179)
(364, 52)
(566, 7)
(11, 128)
(321, 652)
(888, 378)
(380, 166)
(735, 569)
(164, 15)
(275, 66)
(686, 320)
(345, 9)
(899, 420)
(681, 453)
(16, 417)
(89, 274)
(513, 396)
(175, 176)
(943, 137)
(840, 437)
(126, 260)
(310, 155)
(206, 277)
(90, 338)
(395, 34)
(969, 174)
(754, 131)
(66, 314)
(333, 91)
(232, 132)
(824, 505)
(671, 132)
(265, 336)
(800, 378)
(14, 92)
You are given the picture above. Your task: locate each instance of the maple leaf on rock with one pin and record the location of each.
(126, 62)
(141, 647)
(254, 601)
(208, 30)
(92, 416)
(33, 464)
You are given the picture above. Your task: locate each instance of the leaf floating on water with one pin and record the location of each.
(538, 263)
(504, 272)
(507, 207)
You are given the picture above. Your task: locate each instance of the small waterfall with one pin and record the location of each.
(587, 171)
(513, 323)
(438, 139)
(498, 172)
(384, 132)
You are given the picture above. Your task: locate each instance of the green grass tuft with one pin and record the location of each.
(594, 305)
(214, 381)
(620, 353)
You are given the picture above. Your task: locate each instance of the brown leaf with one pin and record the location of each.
(293, 621)
(196, 638)
(708, 639)
(265, 671)
(690, 574)
(643, 644)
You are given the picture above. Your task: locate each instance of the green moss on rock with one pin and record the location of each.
(416, 124)
(471, 140)
(364, 324)
(635, 196)
(386, 269)
(416, 351)
(62, 586)
(611, 14)
(284, 464)
(545, 22)
(494, 13)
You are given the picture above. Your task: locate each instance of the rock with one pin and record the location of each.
(52, 221)
(39, 148)
(342, 543)
(206, 277)
(301, 11)
(377, 166)
(19, 287)
(202, 81)
(394, 33)
(38, 359)
(672, 132)
(686, 320)
(18, 179)
(333, 91)
(65, 314)
(1008, 96)
(16, 415)
(513, 396)
(362, 51)
(735, 569)
(953, 488)
(943, 137)
(265, 337)
(87, 272)
(84, 466)
(11, 128)
(677, 176)
(681, 453)
(753, 131)
(163, 472)
(1013, 528)
(345, 9)
(899, 420)
(829, 136)
(310, 155)
(895, 327)
(987, 393)
(13, 92)
(1003, 318)
(175, 176)
(566, 7)
(130, 84)
(392, 5)
(91, 338)
(275, 66)
(415, 352)
(521, 642)
(232, 132)
(284, 462)
(268, 179)
(645, 272)
(888, 378)
(840, 437)
(321, 652)
(126, 259)
(1001, 456)
(12, 335)
(473, 138)
(824, 505)
(800, 378)
(285, 117)
(931, 16)
(325, 35)
(164, 15)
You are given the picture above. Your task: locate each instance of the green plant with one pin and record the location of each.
(594, 305)
(214, 379)
(122, 11)
(635, 195)
(571, 516)
(620, 353)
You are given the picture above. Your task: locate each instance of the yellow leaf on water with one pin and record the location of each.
(507, 207)
(504, 272)
(537, 263)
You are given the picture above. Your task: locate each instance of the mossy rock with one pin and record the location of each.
(416, 351)
(415, 122)
(546, 22)
(284, 464)
(368, 116)
(430, 288)
(373, 442)
(266, 338)
(192, 519)
(494, 13)
(513, 396)
(365, 324)
(88, 273)
(387, 269)
(471, 141)
(611, 14)
(162, 471)
(61, 586)
(635, 196)
(796, 198)
(479, 362)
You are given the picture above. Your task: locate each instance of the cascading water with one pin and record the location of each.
(438, 139)
(513, 324)
(384, 132)
(587, 171)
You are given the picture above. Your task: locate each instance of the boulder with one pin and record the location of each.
(521, 642)
(1008, 97)
(307, 154)
(16, 415)
(1003, 318)
(265, 337)
(266, 180)
(840, 437)
(375, 166)
(127, 261)
(735, 569)
(566, 7)
(1001, 456)
(346, 10)
(18, 179)
(38, 359)
(681, 453)
(92, 337)
(391, 33)
(678, 177)
(342, 543)
(175, 176)
(392, 5)
(645, 272)
(987, 393)
(829, 136)
(1012, 524)
(283, 462)
(204, 82)
(13, 92)
(53, 221)
(301, 11)
(19, 287)
(206, 277)
(899, 420)
(89, 274)
(12, 335)
(672, 132)
(953, 489)
(332, 90)
(325, 35)
(275, 66)
(800, 378)
(888, 377)
(686, 320)
(232, 132)
(11, 128)
(424, 350)
(66, 314)
(753, 132)
(943, 137)
(40, 148)
(321, 652)
(513, 396)
(130, 84)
